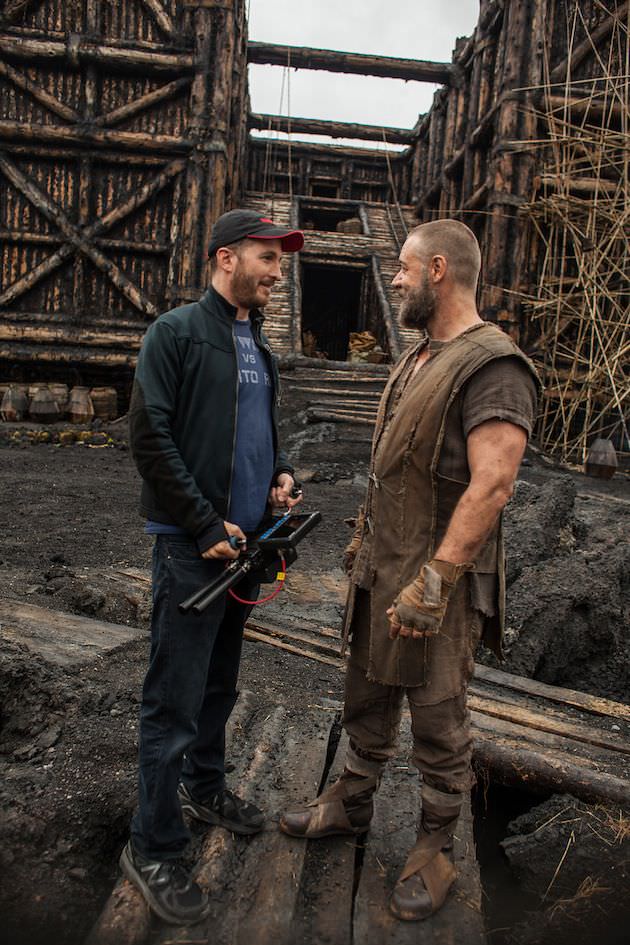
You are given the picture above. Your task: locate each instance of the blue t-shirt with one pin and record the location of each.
(253, 453)
(253, 466)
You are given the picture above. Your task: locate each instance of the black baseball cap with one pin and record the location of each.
(247, 224)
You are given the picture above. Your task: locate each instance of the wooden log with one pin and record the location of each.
(308, 149)
(138, 105)
(580, 186)
(293, 362)
(33, 353)
(585, 105)
(333, 416)
(99, 137)
(125, 920)
(161, 17)
(69, 335)
(592, 42)
(129, 159)
(387, 315)
(38, 92)
(48, 50)
(296, 286)
(512, 764)
(302, 57)
(334, 129)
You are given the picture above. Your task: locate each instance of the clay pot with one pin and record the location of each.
(80, 407)
(44, 407)
(60, 393)
(601, 460)
(105, 402)
(14, 405)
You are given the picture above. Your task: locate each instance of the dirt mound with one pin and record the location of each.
(573, 861)
(568, 588)
(34, 697)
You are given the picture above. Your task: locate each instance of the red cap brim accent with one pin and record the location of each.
(292, 242)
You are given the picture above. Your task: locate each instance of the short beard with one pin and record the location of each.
(244, 289)
(418, 306)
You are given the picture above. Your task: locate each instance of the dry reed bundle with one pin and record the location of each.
(580, 220)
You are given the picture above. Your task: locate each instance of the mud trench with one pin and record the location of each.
(553, 868)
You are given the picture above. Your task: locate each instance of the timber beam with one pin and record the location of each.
(77, 49)
(334, 129)
(329, 60)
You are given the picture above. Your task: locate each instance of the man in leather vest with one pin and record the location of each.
(426, 561)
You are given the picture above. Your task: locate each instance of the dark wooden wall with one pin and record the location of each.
(121, 140)
(476, 157)
(350, 173)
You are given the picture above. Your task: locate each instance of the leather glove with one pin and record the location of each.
(352, 550)
(420, 607)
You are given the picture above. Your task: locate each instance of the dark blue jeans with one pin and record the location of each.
(188, 694)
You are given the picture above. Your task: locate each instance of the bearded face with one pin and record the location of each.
(246, 288)
(418, 304)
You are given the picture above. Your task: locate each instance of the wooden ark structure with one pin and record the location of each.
(125, 131)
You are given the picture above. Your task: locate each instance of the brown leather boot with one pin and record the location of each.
(345, 808)
(428, 873)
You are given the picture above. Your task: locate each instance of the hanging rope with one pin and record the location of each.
(289, 123)
(395, 195)
(271, 151)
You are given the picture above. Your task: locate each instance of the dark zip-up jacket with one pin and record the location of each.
(183, 414)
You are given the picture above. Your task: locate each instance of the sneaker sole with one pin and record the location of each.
(216, 820)
(134, 877)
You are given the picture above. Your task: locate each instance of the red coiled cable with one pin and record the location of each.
(281, 576)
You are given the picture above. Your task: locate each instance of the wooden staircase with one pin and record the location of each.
(385, 231)
(335, 392)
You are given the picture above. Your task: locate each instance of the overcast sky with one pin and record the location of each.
(415, 29)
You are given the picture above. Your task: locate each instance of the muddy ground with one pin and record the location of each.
(68, 737)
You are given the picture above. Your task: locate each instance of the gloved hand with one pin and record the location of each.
(419, 609)
(352, 550)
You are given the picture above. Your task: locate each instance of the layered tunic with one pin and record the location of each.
(410, 500)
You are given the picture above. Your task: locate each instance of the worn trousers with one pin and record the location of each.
(188, 694)
(440, 719)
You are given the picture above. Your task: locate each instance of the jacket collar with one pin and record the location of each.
(215, 303)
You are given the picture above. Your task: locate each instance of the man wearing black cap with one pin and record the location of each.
(203, 432)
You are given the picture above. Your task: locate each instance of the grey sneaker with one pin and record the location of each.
(224, 809)
(167, 887)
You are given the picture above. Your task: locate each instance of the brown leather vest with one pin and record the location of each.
(408, 504)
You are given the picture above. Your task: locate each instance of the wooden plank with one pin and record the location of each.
(263, 883)
(544, 722)
(125, 918)
(581, 700)
(332, 885)
(392, 835)
(62, 638)
(296, 651)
